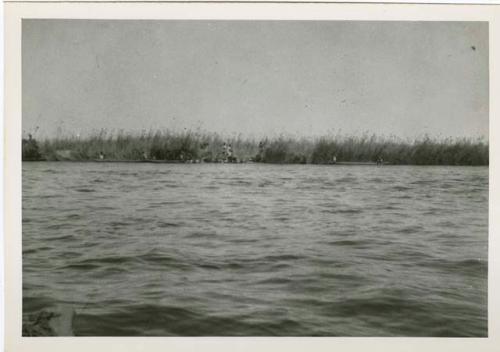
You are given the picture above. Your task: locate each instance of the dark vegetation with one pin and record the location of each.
(31, 151)
(207, 147)
(39, 324)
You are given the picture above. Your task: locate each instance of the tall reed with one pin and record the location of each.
(208, 147)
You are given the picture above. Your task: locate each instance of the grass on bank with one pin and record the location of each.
(207, 147)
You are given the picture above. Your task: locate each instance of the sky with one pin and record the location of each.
(304, 78)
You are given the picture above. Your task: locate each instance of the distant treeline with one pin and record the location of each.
(209, 147)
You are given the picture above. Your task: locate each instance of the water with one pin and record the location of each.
(251, 249)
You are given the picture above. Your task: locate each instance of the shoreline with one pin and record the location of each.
(341, 163)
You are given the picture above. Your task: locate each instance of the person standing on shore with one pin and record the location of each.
(224, 152)
(229, 153)
(260, 156)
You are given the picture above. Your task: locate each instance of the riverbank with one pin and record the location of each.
(194, 147)
(346, 163)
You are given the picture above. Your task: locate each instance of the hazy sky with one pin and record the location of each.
(256, 77)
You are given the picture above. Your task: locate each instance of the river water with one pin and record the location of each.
(257, 250)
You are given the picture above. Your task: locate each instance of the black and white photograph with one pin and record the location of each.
(210, 177)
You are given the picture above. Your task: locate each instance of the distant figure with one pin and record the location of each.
(101, 156)
(232, 158)
(224, 149)
(380, 161)
(145, 155)
(224, 152)
(334, 161)
(260, 156)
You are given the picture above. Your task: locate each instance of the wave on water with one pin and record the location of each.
(145, 249)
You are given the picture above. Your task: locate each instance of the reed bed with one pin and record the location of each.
(197, 146)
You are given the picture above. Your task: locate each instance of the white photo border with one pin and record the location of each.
(16, 11)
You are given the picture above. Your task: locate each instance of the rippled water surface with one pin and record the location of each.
(251, 249)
